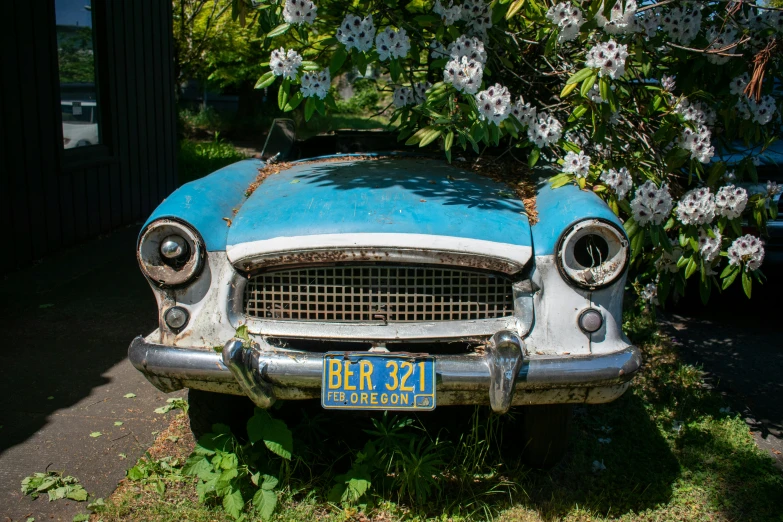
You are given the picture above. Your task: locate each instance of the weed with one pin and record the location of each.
(156, 472)
(55, 485)
(176, 403)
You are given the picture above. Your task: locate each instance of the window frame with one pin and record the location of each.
(104, 152)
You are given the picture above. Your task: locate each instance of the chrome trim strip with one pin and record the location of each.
(297, 375)
(406, 248)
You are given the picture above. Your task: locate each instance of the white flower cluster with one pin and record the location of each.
(697, 207)
(739, 83)
(544, 130)
(464, 74)
(299, 12)
(761, 19)
(316, 83)
(285, 63)
(747, 250)
(650, 293)
(478, 14)
(577, 164)
(709, 245)
(773, 189)
(760, 112)
(730, 201)
(356, 33)
(568, 18)
(668, 83)
(471, 47)
(618, 180)
(651, 204)
(696, 112)
(620, 21)
(668, 261)
(494, 103)
(404, 96)
(608, 57)
(699, 143)
(682, 23)
(524, 112)
(450, 14)
(647, 23)
(719, 40)
(392, 44)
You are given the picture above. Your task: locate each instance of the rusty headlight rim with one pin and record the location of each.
(159, 270)
(593, 278)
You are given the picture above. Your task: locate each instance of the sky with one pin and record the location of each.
(73, 12)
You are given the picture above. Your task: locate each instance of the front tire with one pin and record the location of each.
(545, 434)
(208, 408)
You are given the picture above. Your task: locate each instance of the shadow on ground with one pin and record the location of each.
(68, 321)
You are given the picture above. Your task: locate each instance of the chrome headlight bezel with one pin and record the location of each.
(164, 272)
(608, 270)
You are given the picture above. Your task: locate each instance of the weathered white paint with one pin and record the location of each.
(516, 254)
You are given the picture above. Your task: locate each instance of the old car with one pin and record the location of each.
(387, 283)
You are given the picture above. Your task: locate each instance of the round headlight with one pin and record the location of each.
(170, 253)
(592, 253)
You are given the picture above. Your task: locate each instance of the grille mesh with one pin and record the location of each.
(378, 294)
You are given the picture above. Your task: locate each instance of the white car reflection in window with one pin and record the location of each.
(80, 128)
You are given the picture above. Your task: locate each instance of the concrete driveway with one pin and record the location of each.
(67, 323)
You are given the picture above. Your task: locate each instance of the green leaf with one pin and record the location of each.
(293, 102)
(338, 59)
(691, 268)
(532, 159)
(118, 423)
(309, 108)
(95, 434)
(395, 69)
(77, 493)
(283, 92)
(129, 395)
(587, 84)
(197, 465)
(265, 501)
(430, 137)
(580, 76)
(277, 31)
(514, 8)
(266, 80)
(234, 503)
(747, 283)
(275, 434)
(448, 141)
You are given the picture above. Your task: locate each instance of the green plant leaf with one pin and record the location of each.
(95, 434)
(309, 108)
(275, 434)
(338, 59)
(265, 502)
(283, 93)
(269, 482)
(267, 79)
(234, 503)
(691, 268)
(580, 76)
(747, 283)
(277, 31)
(532, 159)
(129, 395)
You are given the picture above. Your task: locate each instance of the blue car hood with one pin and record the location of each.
(409, 203)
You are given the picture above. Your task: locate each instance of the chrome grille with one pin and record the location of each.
(391, 294)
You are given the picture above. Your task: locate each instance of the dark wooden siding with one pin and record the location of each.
(48, 199)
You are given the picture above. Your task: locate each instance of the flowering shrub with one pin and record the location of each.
(636, 101)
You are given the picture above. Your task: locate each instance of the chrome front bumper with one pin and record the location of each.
(502, 377)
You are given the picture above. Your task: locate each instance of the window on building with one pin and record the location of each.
(78, 81)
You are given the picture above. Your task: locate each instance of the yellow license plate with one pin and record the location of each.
(378, 381)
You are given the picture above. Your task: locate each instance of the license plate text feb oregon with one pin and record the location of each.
(378, 381)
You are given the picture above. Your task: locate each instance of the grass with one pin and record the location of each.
(672, 456)
(196, 159)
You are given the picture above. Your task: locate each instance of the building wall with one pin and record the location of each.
(49, 198)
